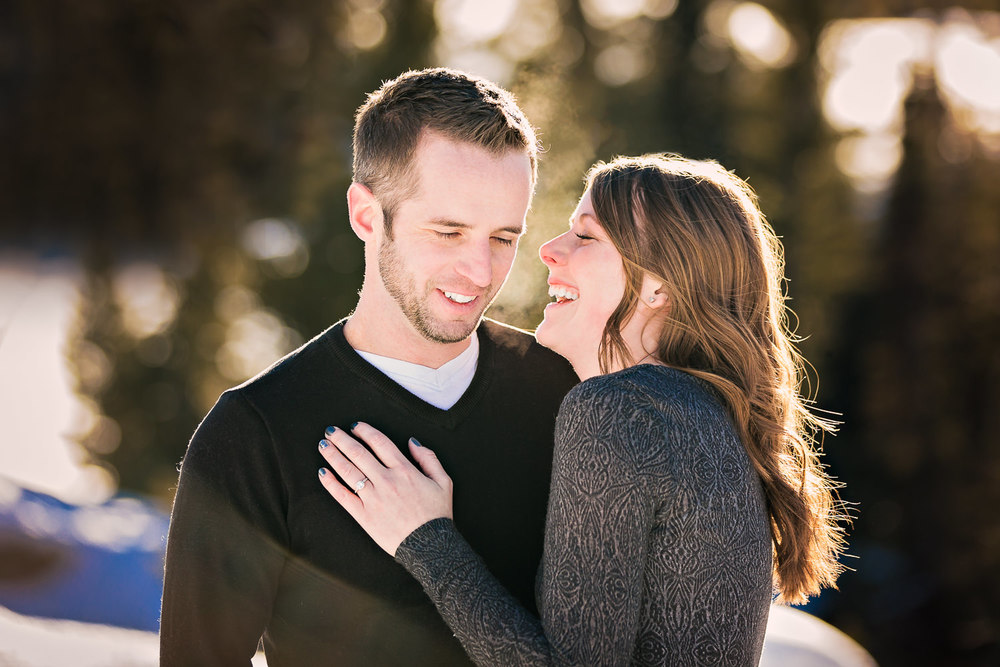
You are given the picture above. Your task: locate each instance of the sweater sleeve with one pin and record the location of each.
(590, 590)
(224, 553)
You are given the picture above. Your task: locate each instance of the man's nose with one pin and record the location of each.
(476, 263)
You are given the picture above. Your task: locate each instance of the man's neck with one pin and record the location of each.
(387, 332)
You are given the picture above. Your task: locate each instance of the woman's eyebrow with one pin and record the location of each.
(593, 218)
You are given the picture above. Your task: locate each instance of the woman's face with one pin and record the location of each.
(587, 280)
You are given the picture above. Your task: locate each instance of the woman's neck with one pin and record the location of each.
(591, 366)
(641, 338)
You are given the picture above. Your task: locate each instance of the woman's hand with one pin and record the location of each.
(389, 498)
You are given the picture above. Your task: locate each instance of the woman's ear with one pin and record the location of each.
(364, 212)
(653, 295)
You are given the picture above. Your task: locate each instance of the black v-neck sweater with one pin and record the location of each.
(257, 547)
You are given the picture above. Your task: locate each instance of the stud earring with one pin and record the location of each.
(652, 299)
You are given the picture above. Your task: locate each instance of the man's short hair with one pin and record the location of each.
(460, 106)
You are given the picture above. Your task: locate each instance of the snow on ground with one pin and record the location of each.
(793, 638)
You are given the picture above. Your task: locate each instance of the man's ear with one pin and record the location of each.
(364, 211)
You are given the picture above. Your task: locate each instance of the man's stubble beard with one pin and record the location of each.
(404, 291)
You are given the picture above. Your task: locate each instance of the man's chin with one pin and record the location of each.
(449, 332)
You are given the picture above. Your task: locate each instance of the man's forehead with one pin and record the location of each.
(467, 171)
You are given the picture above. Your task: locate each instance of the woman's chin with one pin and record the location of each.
(547, 337)
(543, 337)
(545, 334)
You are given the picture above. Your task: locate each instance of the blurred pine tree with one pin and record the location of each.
(922, 385)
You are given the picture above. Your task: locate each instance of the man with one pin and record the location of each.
(444, 170)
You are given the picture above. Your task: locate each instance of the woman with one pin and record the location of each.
(685, 484)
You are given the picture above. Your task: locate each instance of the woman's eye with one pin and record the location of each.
(584, 237)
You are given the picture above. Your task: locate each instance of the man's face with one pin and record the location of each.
(453, 242)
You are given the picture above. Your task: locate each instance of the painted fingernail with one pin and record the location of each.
(322, 472)
(323, 444)
(330, 430)
(416, 443)
(353, 425)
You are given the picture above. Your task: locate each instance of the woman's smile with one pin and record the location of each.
(562, 294)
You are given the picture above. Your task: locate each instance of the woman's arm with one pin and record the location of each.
(590, 586)
(599, 518)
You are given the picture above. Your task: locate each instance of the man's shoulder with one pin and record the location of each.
(510, 340)
(518, 362)
(312, 362)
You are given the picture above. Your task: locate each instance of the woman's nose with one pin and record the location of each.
(552, 252)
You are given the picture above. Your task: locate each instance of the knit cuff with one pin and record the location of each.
(433, 551)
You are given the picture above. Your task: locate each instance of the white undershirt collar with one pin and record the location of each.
(441, 387)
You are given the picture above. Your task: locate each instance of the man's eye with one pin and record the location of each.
(448, 235)
(502, 241)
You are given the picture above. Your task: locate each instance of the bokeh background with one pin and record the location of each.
(173, 219)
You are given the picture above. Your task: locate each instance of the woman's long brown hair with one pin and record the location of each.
(698, 228)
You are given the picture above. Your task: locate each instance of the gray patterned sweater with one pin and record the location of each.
(657, 548)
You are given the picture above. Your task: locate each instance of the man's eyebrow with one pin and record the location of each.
(455, 224)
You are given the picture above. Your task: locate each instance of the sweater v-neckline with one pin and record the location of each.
(398, 395)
